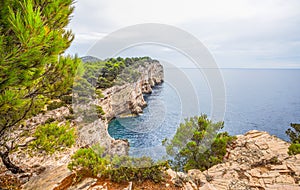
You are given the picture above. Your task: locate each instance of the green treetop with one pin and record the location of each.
(197, 145)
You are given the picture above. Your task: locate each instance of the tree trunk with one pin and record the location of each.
(8, 164)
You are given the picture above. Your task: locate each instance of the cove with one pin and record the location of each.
(146, 131)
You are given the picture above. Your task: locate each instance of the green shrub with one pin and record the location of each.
(82, 100)
(294, 135)
(118, 168)
(99, 110)
(188, 150)
(294, 149)
(87, 158)
(119, 70)
(104, 83)
(99, 93)
(51, 137)
(127, 168)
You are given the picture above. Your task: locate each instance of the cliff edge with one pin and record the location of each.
(257, 160)
(44, 171)
(120, 100)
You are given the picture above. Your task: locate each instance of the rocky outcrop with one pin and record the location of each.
(257, 160)
(96, 133)
(55, 178)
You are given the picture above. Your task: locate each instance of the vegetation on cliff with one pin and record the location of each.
(94, 77)
(196, 144)
(117, 168)
(112, 71)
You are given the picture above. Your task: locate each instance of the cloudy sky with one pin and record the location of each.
(238, 33)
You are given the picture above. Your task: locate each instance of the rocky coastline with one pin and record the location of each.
(256, 160)
(118, 100)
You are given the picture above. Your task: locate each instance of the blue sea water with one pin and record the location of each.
(261, 99)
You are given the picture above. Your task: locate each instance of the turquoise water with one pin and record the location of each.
(159, 120)
(261, 99)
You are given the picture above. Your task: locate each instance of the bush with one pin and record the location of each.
(137, 169)
(51, 137)
(88, 159)
(104, 83)
(99, 110)
(188, 149)
(117, 168)
(99, 93)
(294, 135)
(294, 149)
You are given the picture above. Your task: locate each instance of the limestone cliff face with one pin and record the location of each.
(128, 98)
(118, 100)
(121, 100)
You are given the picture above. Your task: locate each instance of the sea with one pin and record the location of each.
(254, 99)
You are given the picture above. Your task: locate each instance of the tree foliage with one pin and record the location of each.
(294, 135)
(105, 74)
(195, 145)
(32, 69)
(32, 38)
(52, 137)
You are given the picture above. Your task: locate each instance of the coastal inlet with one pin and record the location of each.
(146, 131)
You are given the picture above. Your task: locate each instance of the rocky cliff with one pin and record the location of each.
(120, 100)
(257, 160)
(50, 171)
(128, 98)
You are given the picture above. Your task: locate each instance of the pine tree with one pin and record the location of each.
(189, 148)
(32, 69)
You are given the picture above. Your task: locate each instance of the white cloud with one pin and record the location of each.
(175, 12)
(234, 30)
(82, 37)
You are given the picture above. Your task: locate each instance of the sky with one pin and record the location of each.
(238, 33)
